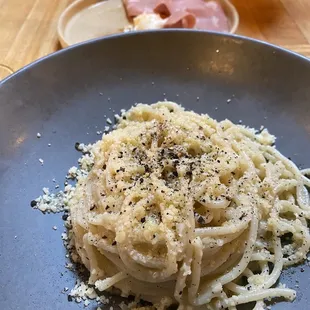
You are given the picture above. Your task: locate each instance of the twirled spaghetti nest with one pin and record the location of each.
(181, 208)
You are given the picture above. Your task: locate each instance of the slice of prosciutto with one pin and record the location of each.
(198, 14)
(137, 7)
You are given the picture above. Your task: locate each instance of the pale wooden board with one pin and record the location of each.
(28, 30)
(28, 27)
(269, 20)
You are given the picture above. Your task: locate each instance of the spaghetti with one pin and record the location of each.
(180, 208)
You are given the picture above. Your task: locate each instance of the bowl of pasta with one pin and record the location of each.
(137, 171)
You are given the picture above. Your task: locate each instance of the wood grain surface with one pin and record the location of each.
(28, 27)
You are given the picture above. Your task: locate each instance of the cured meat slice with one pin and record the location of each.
(137, 7)
(197, 14)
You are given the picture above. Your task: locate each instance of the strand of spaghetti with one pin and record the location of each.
(183, 273)
(219, 303)
(223, 230)
(78, 243)
(234, 257)
(289, 164)
(185, 269)
(114, 260)
(296, 172)
(217, 215)
(270, 157)
(290, 198)
(196, 269)
(237, 270)
(248, 272)
(210, 250)
(143, 273)
(108, 221)
(305, 171)
(303, 196)
(233, 287)
(105, 245)
(211, 245)
(285, 186)
(92, 259)
(302, 251)
(264, 267)
(287, 206)
(207, 291)
(103, 285)
(217, 204)
(228, 238)
(213, 265)
(278, 265)
(306, 181)
(259, 295)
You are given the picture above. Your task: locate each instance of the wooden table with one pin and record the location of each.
(28, 27)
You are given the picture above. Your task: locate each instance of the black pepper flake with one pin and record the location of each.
(201, 220)
(77, 146)
(104, 237)
(141, 180)
(93, 207)
(114, 243)
(33, 203)
(302, 270)
(65, 216)
(242, 217)
(142, 220)
(131, 298)
(70, 298)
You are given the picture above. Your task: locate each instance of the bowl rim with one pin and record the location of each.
(234, 37)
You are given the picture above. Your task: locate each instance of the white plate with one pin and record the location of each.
(89, 19)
